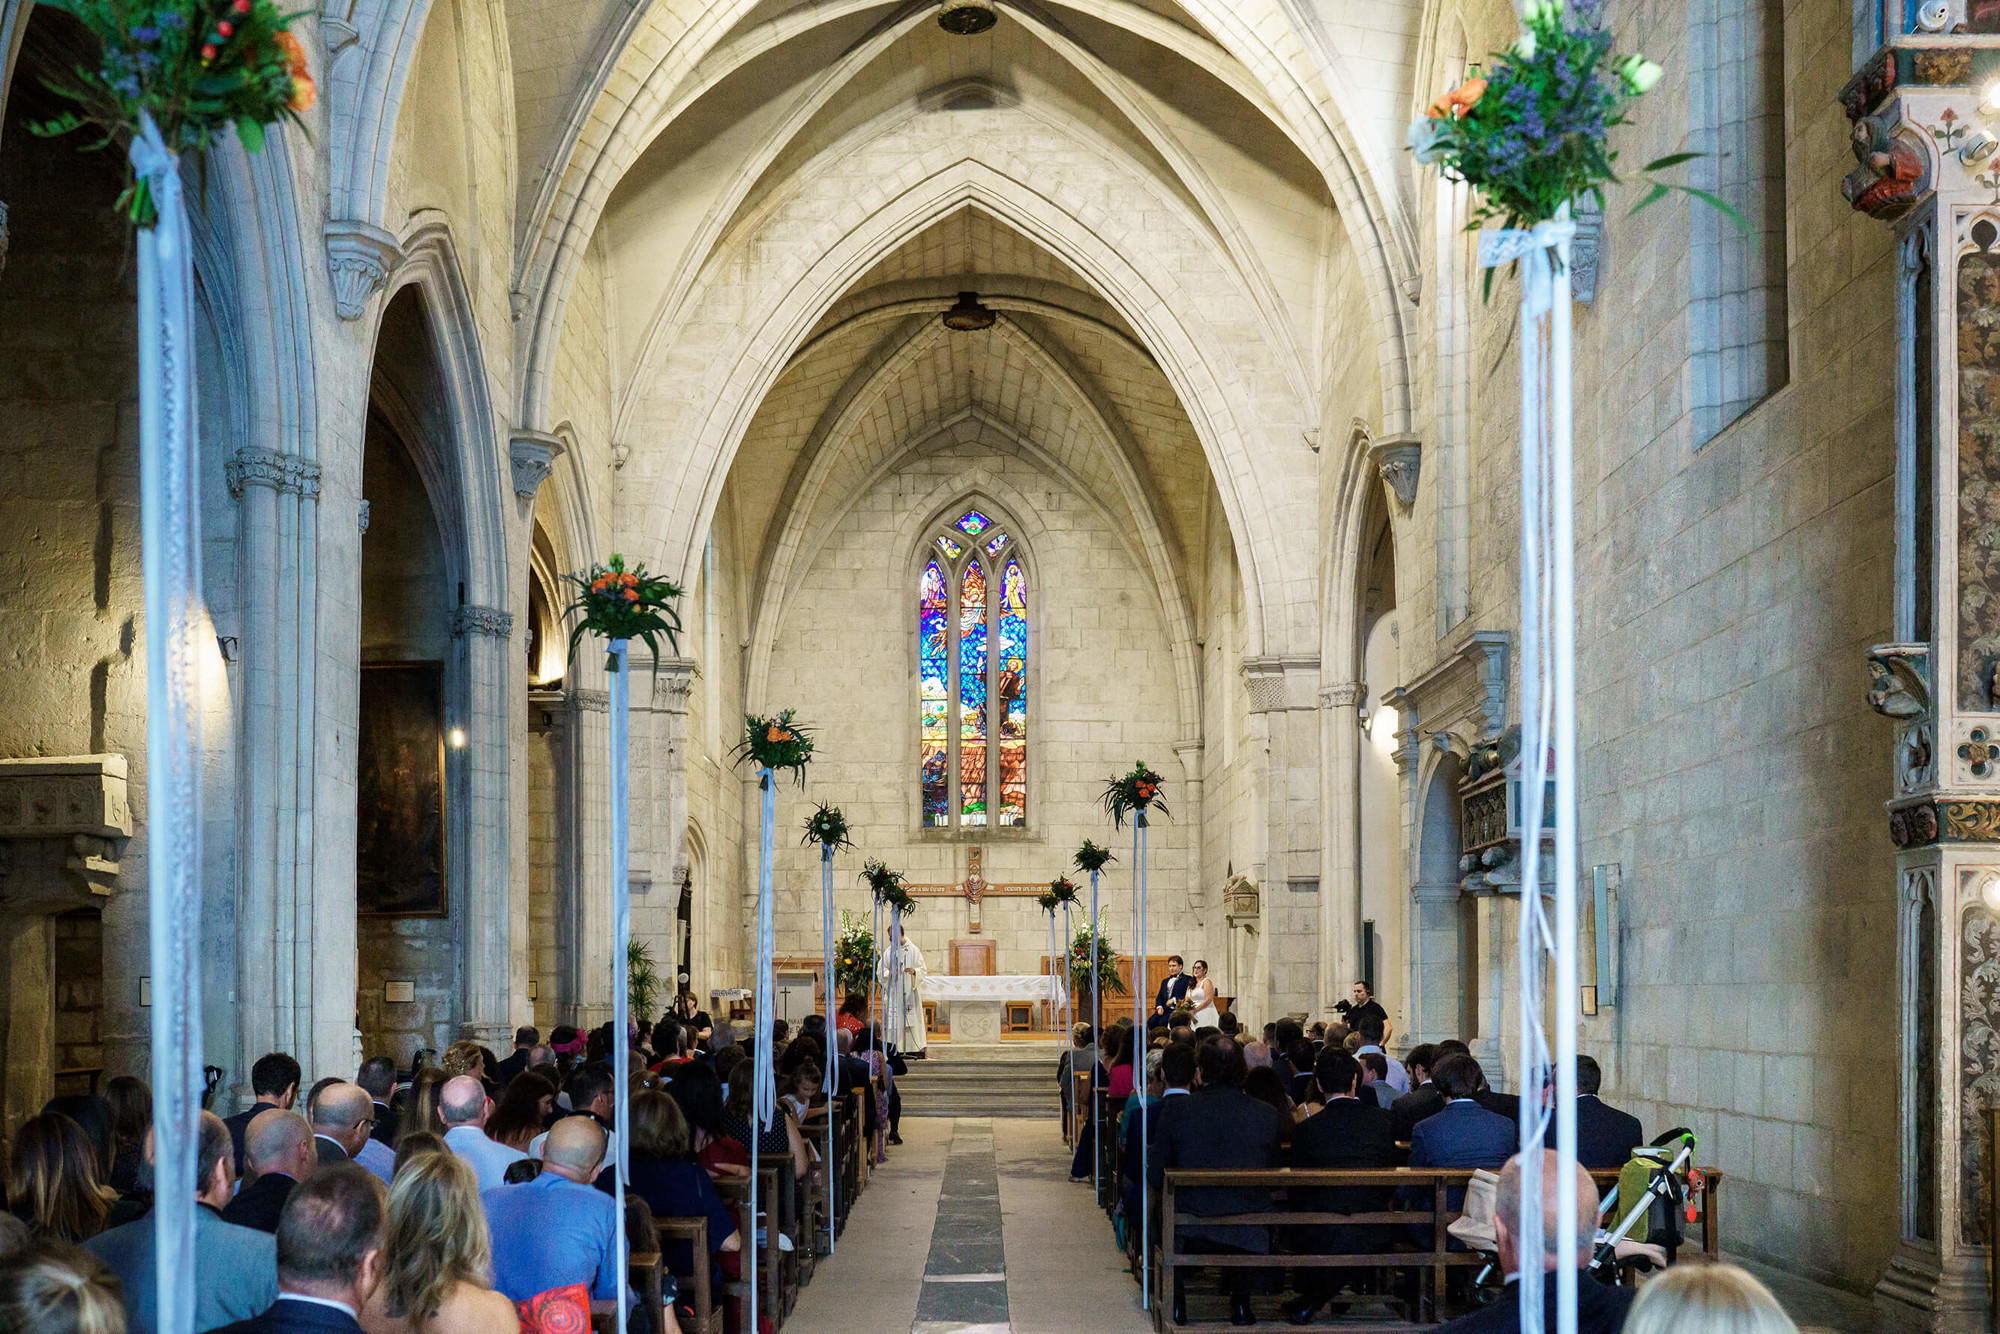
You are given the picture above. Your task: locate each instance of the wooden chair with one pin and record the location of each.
(1020, 1017)
(694, 1283)
(645, 1267)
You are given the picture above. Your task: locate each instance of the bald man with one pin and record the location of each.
(557, 1229)
(278, 1146)
(342, 1116)
(1599, 1309)
(463, 1107)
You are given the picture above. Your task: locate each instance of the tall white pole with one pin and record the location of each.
(621, 940)
(170, 518)
(1562, 489)
(831, 1056)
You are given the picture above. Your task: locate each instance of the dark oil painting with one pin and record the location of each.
(400, 816)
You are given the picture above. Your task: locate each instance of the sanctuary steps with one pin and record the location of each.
(1015, 1079)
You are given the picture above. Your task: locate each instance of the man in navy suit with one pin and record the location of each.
(1605, 1136)
(1462, 1134)
(329, 1255)
(1173, 989)
(1600, 1308)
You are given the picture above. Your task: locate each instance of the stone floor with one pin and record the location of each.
(921, 1251)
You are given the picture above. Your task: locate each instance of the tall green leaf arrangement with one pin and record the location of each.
(1531, 136)
(770, 745)
(1137, 794)
(610, 608)
(1059, 897)
(1092, 860)
(887, 887)
(827, 827)
(173, 79)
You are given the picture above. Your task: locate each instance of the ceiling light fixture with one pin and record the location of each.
(967, 18)
(968, 315)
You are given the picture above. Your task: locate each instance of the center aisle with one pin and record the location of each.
(920, 1256)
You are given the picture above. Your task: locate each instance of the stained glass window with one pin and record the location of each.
(973, 670)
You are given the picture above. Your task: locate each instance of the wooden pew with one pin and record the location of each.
(695, 1283)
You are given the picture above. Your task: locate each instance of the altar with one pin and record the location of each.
(978, 1003)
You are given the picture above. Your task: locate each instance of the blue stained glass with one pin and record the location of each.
(994, 547)
(972, 523)
(950, 548)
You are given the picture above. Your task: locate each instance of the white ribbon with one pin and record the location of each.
(621, 939)
(831, 1056)
(766, 1092)
(1097, 1044)
(1548, 727)
(170, 532)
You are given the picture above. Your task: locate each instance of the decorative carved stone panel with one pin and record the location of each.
(1979, 1064)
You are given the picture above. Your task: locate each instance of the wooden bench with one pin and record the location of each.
(695, 1283)
(1397, 1250)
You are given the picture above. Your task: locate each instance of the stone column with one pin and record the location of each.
(1284, 702)
(1192, 821)
(586, 906)
(1340, 885)
(1924, 143)
(495, 921)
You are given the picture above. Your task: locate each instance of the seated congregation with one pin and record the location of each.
(1387, 1165)
(476, 1194)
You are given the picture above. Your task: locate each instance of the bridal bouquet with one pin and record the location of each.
(1531, 134)
(194, 67)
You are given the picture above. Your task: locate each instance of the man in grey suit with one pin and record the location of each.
(236, 1268)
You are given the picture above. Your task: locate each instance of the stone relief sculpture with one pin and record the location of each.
(1979, 1064)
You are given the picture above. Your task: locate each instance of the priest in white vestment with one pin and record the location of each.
(910, 1035)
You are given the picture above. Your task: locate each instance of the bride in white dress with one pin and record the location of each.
(1202, 996)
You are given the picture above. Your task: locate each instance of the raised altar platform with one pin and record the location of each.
(978, 1004)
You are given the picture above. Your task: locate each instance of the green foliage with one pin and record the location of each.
(642, 980)
(1090, 857)
(1134, 794)
(854, 954)
(617, 603)
(196, 68)
(776, 744)
(1107, 962)
(1061, 890)
(887, 887)
(827, 827)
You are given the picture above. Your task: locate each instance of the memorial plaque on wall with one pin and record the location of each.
(400, 863)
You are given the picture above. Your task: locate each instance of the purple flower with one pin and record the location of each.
(173, 18)
(146, 34)
(127, 85)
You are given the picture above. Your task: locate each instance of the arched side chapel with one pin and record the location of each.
(544, 283)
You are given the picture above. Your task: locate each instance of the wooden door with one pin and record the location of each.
(972, 958)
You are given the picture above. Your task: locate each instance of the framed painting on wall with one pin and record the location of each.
(400, 803)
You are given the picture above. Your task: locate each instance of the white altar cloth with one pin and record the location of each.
(1002, 987)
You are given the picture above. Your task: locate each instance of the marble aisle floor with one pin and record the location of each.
(974, 1228)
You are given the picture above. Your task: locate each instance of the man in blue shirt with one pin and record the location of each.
(557, 1229)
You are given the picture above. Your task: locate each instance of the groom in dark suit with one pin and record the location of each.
(1173, 990)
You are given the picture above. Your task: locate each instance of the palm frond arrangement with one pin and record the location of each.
(1090, 857)
(827, 827)
(1061, 890)
(1134, 794)
(887, 887)
(614, 602)
(776, 744)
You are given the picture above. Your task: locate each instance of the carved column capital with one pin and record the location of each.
(359, 258)
(269, 468)
(491, 621)
(676, 683)
(533, 455)
(1342, 695)
(1399, 458)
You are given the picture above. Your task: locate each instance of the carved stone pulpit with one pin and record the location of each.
(1924, 125)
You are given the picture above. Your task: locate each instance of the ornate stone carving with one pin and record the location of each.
(1913, 826)
(1399, 458)
(1972, 821)
(1240, 898)
(482, 621)
(1901, 686)
(63, 826)
(592, 701)
(1342, 695)
(1892, 172)
(359, 258)
(1586, 249)
(533, 455)
(1979, 1064)
(1492, 645)
(269, 468)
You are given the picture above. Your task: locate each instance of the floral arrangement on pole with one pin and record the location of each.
(1107, 962)
(1091, 858)
(1061, 890)
(887, 887)
(1134, 794)
(195, 68)
(616, 603)
(827, 827)
(1531, 133)
(778, 743)
(853, 953)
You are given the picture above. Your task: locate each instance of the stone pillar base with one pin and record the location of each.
(1919, 1293)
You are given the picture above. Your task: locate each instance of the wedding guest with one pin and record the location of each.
(279, 1149)
(274, 1079)
(437, 1257)
(673, 1185)
(557, 1229)
(464, 1108)
(52, 1182)
(56, 1288)
(131, 1117)
(523, 1111)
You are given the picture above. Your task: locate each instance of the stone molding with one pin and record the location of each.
(533, 455)
(1269, 683)
(1342, 695)
(482, 621)
(359, 259)
(1586, 250)
(592, 701)
(268, 468)
(674, 684)
(63, 827)
(1399, 458)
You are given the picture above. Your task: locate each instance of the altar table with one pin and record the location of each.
(977, 1002)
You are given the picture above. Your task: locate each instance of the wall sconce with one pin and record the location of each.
(457, 738)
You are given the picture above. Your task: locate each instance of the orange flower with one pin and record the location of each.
(293, 51)
(597, 584)
(631, 595)
(1459, 100)
(777, 733)
(629, 580)
(304, 92)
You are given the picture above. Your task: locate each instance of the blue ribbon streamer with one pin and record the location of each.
(765, 1095)
(832, 1053)
(621, 938)
(1139, 1074)
(1097, 1044)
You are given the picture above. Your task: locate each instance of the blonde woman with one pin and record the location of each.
(54, 1288)
(1695, 1298)
(438, 1259)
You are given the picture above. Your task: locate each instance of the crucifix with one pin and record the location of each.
(974, 888)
